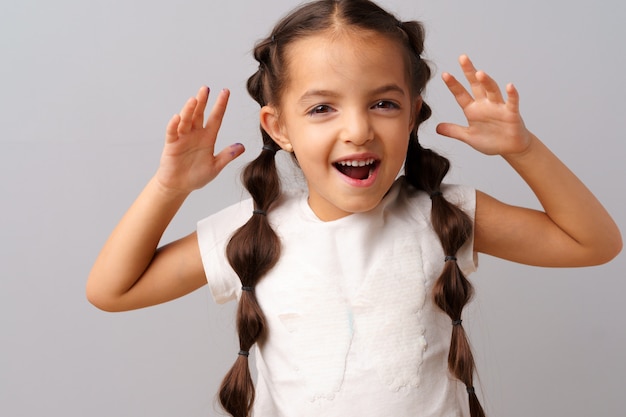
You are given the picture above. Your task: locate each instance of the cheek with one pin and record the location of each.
(311, 158)
(311, 143)
(399, 147)
(399, 135)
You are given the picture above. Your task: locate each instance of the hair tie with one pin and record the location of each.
(435, 194)
(249, 289)
(261, 212)
(244, 353)
(269, 148)
(273, 38)
(470, 390)
(457, 322)
(450, 258)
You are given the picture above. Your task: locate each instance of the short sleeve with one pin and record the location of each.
(214, 233)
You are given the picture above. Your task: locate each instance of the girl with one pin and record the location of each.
(352, 290)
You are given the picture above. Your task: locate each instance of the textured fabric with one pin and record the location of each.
(352, 327)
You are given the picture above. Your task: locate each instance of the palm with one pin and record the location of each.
(188, 161)
(495, 126)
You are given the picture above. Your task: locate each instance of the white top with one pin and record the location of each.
(352, 327)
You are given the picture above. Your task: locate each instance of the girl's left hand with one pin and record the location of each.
(495, 126)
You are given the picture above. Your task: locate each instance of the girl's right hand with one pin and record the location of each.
(188, 161)
(130, 272)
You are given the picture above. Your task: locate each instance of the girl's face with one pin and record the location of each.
(347, 114)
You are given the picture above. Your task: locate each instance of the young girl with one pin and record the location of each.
(352, 290)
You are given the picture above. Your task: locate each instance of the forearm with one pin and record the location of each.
(566, 200)
(131, 246)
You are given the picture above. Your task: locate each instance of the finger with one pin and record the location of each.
(216, 115)
(470, 75)
(458, 91)
(171, 131)
(489, 85)
(186, 115)
(512, 101)
(227, 155)
(453, 131)
(198, 114)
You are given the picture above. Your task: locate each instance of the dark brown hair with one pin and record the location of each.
(255, 248)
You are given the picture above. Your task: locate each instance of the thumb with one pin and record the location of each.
(453, 131)
(227, 155)
(171, 131)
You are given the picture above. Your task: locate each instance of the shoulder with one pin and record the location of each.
(225, 220)
(215, 231)
(460, 195)
(218, 227)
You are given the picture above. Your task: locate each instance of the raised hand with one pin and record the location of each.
(575, 228)
(130, 272)
(188, 161)
(495, 126)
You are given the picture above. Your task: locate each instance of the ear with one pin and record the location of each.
(270, 122)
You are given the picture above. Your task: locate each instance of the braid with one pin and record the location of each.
(425, 170)
(252, 251)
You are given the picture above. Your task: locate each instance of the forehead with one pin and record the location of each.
(350, 59)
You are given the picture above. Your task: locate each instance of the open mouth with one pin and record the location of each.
(357, 169)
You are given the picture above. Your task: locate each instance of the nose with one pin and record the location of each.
(357, 127)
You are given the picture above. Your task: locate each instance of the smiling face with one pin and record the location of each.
(346, 112)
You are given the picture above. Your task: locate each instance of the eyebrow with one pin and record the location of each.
(329, 93)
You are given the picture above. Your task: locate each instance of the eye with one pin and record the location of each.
(320, 109)
(385, 105)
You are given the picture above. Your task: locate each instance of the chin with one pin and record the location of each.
(362, 207)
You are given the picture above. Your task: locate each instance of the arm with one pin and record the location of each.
(573, 230)
(130, 272)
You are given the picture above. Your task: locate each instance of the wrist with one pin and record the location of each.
(532, 144)
(168, 192)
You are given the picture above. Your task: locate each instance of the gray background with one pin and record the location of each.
(86, 89)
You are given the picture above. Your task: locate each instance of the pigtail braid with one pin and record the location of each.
(252, 251)
(425, 170)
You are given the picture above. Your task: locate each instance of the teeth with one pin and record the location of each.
(360, 163)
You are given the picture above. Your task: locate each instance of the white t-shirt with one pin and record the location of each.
(353, 330)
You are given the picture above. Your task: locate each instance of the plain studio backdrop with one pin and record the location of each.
(86, 89)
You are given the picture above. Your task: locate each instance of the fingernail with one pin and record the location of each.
(234, 151)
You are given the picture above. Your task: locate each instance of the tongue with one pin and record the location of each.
(358, 173)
